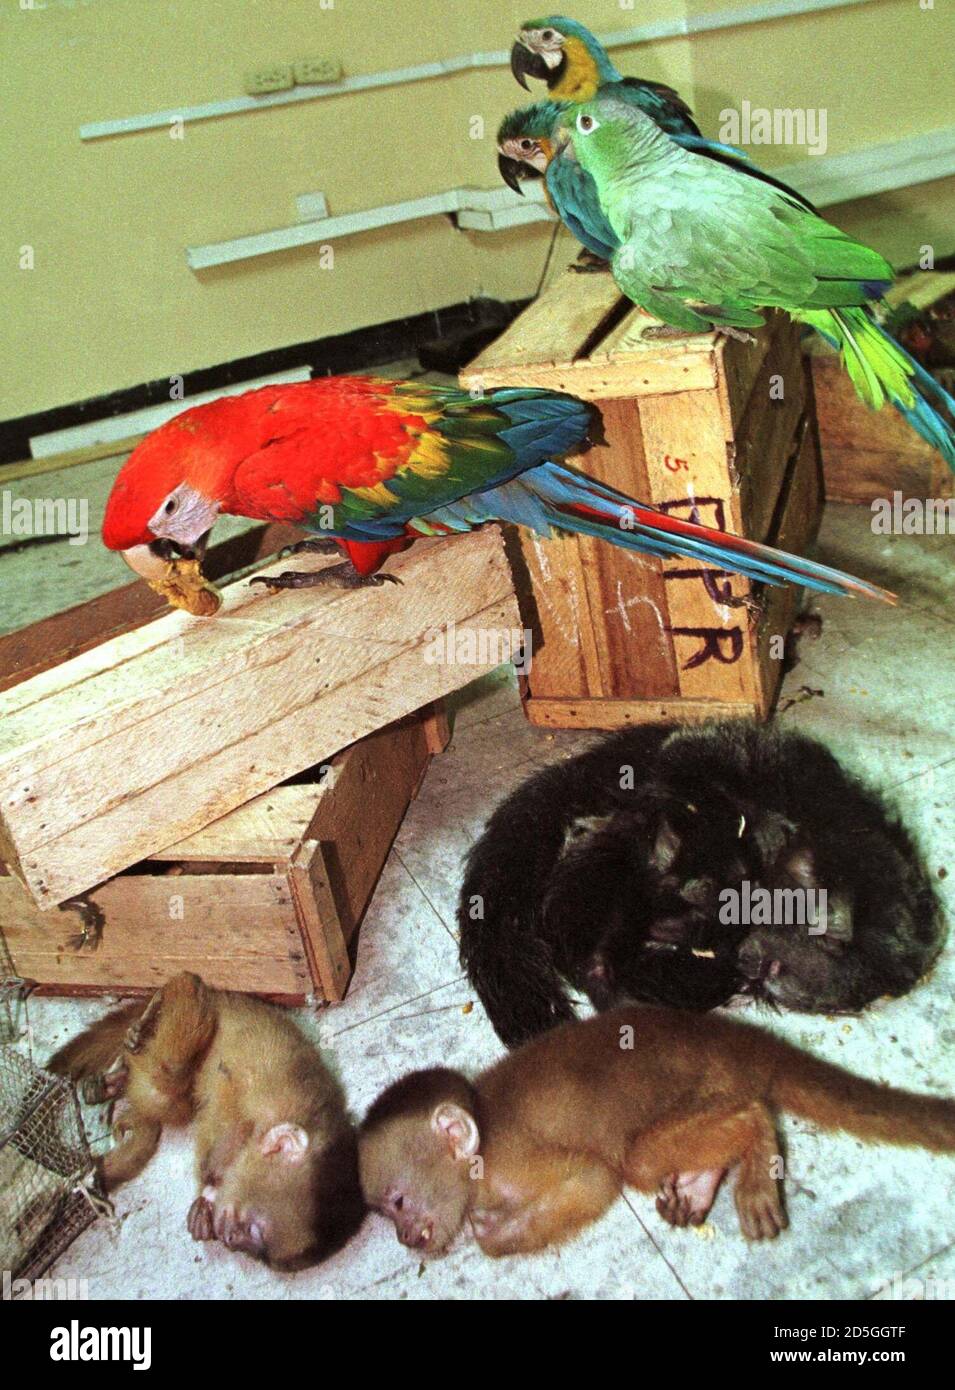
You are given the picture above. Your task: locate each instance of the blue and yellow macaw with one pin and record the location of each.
(575, 66)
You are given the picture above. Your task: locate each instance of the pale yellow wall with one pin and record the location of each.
(111, 301)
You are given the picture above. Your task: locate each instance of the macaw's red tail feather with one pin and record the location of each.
(578, 503)
(369, 556)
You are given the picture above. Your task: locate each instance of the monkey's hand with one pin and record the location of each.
(240, 1230)
(108, 1086)
(201, 1220)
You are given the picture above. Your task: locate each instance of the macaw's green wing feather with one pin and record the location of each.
(462, 445)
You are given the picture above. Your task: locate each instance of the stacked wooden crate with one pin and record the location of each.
(220, 794)
(869, 454)
(711, 429)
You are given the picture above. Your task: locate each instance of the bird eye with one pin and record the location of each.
(171, 505)
(527, 144)
(585, 124)
(548, 35)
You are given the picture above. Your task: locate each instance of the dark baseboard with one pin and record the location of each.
(346, 352)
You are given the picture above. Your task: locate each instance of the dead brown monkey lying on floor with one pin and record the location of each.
(275, 1152)
(541, 1143)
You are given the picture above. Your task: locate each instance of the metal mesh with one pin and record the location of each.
(44, 1155)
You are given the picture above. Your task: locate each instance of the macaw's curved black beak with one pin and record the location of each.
(512, 170)
(525, 63)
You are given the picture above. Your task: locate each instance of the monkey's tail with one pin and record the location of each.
(837, 1100)
(507, 961)
(94, 1051)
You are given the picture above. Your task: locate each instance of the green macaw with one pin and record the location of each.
(704, 246)
(576, 68)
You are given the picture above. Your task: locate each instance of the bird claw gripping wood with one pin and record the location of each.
(343, 576)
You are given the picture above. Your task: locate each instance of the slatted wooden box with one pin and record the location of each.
(710, 429)
(869, 454)
(266, 899)
(139, 741)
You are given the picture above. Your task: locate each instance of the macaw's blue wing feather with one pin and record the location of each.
(574, 195)
(552, 498)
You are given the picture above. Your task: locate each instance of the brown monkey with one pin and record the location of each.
(276, 1156)
(541, 1143)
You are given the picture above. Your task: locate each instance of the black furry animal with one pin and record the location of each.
(609, 872)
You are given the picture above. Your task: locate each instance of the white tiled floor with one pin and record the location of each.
(858, 1219)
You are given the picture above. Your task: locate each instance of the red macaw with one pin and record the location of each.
(371, 464)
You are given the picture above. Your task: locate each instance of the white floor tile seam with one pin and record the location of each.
(433, 906)
(388, 1013)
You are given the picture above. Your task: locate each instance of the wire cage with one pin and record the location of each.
(46, 1169)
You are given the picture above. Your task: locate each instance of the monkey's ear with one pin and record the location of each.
(458, 1128)
(666, 847)
(286, 1141)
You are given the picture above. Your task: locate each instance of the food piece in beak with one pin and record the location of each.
(177, 577)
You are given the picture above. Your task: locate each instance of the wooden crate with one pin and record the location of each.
(266, 900)
(695, 426)
(141, 740)
(869, 454)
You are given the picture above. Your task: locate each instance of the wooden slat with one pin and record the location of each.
(556, 611)
(764, 433)
(267, 830)
(923, 288)
(598, 381)
(795, 529)
(437, 728)
(69, 458)
(358, 816)
(614, 714)
(237, 932)
(569, 340)
(317, 912)
(146, 740)
(41, 646)
(626, 592)
(554, 328)
(739, 364)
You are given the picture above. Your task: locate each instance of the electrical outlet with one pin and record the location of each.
(317, 70)
(270, 77)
